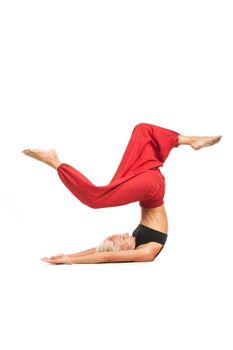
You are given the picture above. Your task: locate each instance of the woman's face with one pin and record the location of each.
(125, 241)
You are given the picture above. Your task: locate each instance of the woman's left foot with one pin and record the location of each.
(204, 141)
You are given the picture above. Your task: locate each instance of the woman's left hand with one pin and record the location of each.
(58, 259)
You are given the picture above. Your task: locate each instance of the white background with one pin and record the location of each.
(77, 76)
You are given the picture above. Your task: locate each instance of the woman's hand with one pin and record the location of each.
(57, 259)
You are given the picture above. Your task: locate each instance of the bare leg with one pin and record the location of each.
(48, 157)
(197, 142)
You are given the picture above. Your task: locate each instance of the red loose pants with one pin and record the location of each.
(138, 177)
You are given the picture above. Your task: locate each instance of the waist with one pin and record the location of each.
(155, 218)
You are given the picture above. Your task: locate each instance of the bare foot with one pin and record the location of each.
(204, 141)
(46, 156)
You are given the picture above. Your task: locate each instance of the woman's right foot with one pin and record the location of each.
(46, 156)
(204, 141)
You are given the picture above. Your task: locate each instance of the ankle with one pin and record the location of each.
(54, 164)
(186, 140)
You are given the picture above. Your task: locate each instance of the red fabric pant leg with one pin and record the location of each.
(148, 148)
(146, 186)
(134, 179)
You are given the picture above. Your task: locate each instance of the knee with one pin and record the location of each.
(139, 126)
(142, 126)
(93, 203)
(94, 199)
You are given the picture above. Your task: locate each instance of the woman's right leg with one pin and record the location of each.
(48, 157)
(143, 187)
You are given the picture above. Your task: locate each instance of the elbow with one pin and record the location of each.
(149, 257)
(152, 254)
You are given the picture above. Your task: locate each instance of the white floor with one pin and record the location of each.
(77, 77)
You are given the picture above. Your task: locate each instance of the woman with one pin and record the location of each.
(138, 178)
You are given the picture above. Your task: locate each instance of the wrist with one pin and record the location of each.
(68, 260)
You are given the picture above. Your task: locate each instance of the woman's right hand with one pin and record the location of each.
(57, 259)
(55, 256)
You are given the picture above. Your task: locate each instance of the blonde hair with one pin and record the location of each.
(107, 246)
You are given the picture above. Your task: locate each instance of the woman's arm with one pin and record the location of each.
(110, 257)
(81, 259)
(74, 255)
(137, 255)
(82, 253)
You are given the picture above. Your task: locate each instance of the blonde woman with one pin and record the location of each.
(137, 179)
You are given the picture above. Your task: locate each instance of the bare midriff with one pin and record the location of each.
(155, 218)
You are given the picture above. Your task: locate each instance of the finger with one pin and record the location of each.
(45, 259)
(48, 260)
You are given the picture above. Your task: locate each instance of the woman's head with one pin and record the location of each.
(117, 243)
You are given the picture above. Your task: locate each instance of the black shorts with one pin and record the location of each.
(144, 234)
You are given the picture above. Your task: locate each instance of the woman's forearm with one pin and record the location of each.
(89, 259)
(82, 253)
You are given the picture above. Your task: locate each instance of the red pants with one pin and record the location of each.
(137, 178)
